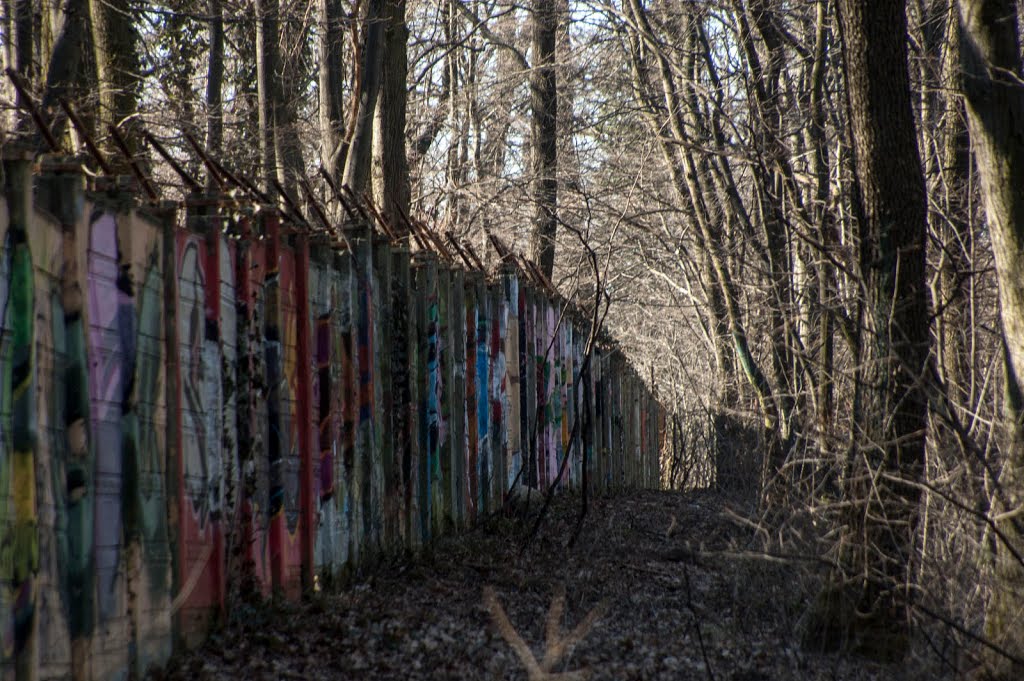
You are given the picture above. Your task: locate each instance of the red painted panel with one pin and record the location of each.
(305, 423)
(199, 593)
(285, 473)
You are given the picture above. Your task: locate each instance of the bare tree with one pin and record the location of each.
(331, 96)
(357, 163)
(268, 85)
(886, 463)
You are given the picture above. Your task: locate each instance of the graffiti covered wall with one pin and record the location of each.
(197, 402)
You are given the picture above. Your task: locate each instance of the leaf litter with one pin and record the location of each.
(664, 582)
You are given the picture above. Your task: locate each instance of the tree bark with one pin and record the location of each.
(215, 79)
(767, 119)
(544, 134)
(23, 39)
(267, 63)
(891, 210)
(952, 225)
(332, 100)
(824, 297)
(452, 81)
(7, 31)
(115, 45)
(66, 73)
(357, 164)
(992, 86)
(391, 187)
(290, 79)
(498, 110)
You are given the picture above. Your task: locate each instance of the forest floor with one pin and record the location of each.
(683, 599)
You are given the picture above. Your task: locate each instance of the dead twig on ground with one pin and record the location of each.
(556, 646)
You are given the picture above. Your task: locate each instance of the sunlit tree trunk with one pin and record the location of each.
(952, 223)
(115, 46)
(357, 163)
(992, 85)
(267, 63)
(331, 97)
(767, 116)
(823, 219)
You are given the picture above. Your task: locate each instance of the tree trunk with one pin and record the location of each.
(332, 100)
(991, 59)
(499, 108)
(451, 83)
(544, 134)
(290, 77)
(824, 297)
(66, 73)
(357, 164)
(23, 39)
(391, 167)
(888, 462)
(7, 32)
(215, 79)
(267, 63)
(115, 44)
(952, 224)
(767, 119)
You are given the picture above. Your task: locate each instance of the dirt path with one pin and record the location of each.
(671, 607)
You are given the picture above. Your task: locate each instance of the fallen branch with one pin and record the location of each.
(557, 646)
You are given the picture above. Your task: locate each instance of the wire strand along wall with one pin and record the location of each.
(195, 399)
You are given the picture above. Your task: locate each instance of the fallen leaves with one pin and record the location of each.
(612, 608)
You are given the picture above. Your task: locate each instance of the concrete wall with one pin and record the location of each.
(196, 401)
